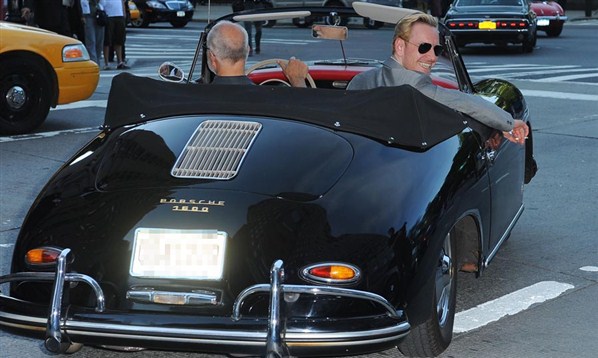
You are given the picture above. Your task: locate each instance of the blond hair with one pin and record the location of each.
(404, 26)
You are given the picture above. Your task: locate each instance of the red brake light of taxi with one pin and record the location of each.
(331, 273)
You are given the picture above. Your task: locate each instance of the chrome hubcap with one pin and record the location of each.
(444, 282)
(15, 97)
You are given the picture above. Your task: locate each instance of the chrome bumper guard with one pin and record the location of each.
(275, 344)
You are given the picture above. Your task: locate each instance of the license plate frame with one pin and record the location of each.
(178, 254)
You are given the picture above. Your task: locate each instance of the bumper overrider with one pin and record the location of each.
(275, 335)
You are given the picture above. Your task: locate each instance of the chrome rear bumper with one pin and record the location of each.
(274, 335)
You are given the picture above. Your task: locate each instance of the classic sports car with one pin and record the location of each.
(493, 21)
(177, 12)
(40, 69)
(551, 17)
(270, 220)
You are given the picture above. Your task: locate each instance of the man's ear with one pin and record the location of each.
(399, 47)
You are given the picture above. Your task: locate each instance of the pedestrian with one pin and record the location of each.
(240, 5)
(94, 33)
(75, 19)
(115, 32)
(49, 15)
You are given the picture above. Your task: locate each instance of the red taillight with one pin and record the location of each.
(463, 24)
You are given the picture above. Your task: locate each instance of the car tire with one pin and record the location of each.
(371, 24)
(25, 94)
(433, 336)
(528, 44)
(554, 31)
(177, 24)
(343, 19)
(303, 22)
(142, 21)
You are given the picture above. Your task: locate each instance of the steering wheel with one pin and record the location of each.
(274, 61)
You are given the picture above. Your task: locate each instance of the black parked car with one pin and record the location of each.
(270, 220)
(499, 22)
(177, 12)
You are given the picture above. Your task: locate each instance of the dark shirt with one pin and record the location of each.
(232, 80)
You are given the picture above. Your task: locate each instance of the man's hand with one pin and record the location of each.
(519, 132)
(296, 71)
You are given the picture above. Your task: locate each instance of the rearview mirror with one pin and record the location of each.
(330, 32)
(170, 72)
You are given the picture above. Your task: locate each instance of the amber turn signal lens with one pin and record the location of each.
(42, 256)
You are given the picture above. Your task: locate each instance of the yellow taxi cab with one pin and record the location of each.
(133, 12)
(40, 69)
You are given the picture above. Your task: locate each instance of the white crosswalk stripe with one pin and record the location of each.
(541, 73)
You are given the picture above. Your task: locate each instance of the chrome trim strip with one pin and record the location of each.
(275, 347)
(69, 277)
(190, 298)
(53, 334)
(504, 236)
(314, 290)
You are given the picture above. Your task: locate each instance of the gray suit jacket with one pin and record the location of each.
(393, 74)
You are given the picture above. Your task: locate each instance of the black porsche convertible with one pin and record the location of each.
(270, 220)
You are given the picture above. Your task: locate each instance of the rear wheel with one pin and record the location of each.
(25, 95)
(179, 23)
(336, 20)
(554, 31)
(433, 336)
(142, 21)
(372, 24)
(303, 22)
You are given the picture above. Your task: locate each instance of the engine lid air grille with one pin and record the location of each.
(216, 150)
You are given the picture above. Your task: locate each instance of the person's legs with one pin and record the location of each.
(247, 25)
(90, 38)
(258, 35)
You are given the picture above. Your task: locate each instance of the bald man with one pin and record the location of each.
(228, 47)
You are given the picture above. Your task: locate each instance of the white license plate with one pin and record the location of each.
(180, 13)
(543, 22)
(178, 254)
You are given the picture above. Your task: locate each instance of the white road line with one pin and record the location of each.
(568, 77)
(560, 95)
(589, 268)
(6, 246)
(83, 104)
(509, 304)
(16, 138)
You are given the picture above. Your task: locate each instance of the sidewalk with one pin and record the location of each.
(215, 11)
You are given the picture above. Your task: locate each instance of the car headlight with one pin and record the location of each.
(74, 53)
(156, 5)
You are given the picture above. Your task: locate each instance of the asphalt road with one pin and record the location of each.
(537, 298)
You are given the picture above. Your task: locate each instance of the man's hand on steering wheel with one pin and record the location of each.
(295, 70)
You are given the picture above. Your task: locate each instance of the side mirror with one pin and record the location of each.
(330, 32)
(170, 72)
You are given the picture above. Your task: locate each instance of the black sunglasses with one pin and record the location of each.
(425, 47)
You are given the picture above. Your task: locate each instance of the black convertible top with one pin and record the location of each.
(399, 116)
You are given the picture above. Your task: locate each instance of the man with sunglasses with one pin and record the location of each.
(415, 50)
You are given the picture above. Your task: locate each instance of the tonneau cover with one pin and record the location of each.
(399, 116)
